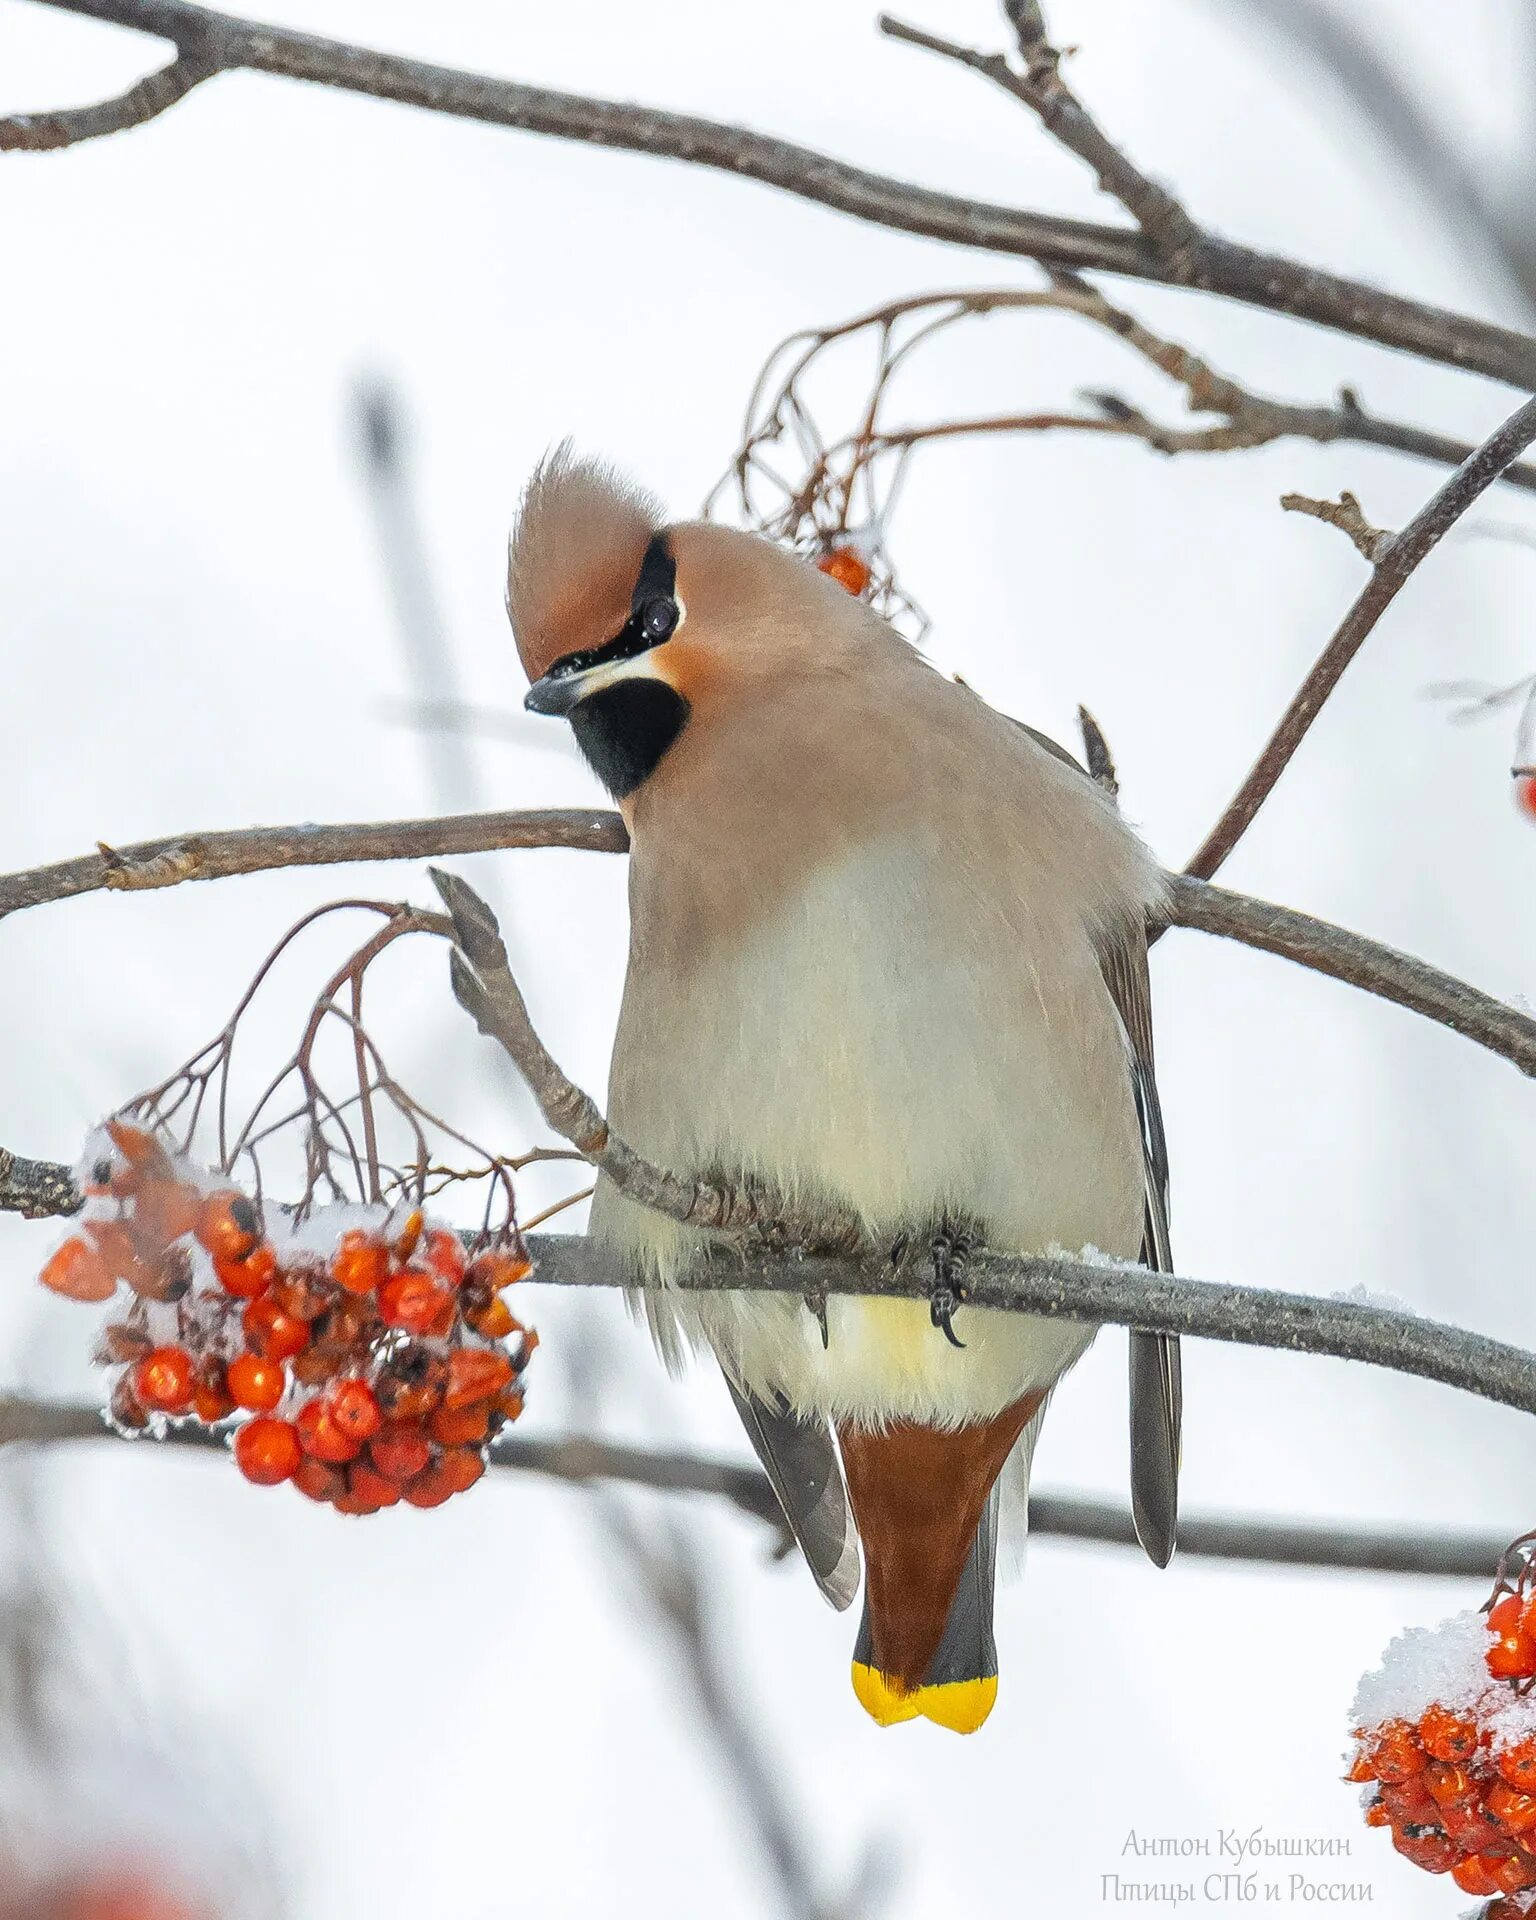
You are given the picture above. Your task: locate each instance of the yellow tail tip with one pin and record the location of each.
(960, 1705)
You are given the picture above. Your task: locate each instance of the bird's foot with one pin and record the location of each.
(950, 1250)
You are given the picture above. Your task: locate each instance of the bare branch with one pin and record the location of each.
(215, 856)
(1041, 88)
(1214, 265)
(36, 1189)
(68, 126)
(1381, 970)
(581, 1460)
(1388, 576)
(1371, 543)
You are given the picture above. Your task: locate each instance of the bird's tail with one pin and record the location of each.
(925, 1499)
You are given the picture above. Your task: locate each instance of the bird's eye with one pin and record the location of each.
(658, 620)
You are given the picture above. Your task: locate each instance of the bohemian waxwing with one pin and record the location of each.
(887, 957)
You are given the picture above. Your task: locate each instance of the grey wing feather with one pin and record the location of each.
(1157, 1390)
(801, 1462)
(1157, 1394)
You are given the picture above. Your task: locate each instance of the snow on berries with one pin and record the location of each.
(367, 1356)
(1445, 1743)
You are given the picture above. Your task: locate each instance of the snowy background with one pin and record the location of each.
(473, 1711)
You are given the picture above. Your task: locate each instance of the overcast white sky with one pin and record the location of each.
(469, 1711)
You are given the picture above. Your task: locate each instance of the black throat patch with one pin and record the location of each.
(625, 730)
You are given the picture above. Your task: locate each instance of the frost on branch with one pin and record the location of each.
(1445, 1735)
(348, 1342)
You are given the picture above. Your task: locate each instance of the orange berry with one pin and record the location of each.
(1446, 1735)
(443, 1253)
(255, 1382)
(146, 1160)
(164, 1211)
(367, 1483)
(163, 1380)
(1512, 1656)
(475, 1374)
(1517, 1765)
(78, 1272)
(399, 1450)
(1475, 1874)
(274, 1334)
(305, 1292)
(119, 1252)
(461, 1467)
(1450, 1786)
(1412, 1801)
(491, 1318)
(212, 1400)
(431, 1487)
(412, 1384)
(313, 1367)
(460, 1426)
(1512, 1872)
(1515, 1811)
(1471, 1828)
(228, 1224)
(1376, 1815)
(1504, 1615)
(118, 1344)
(409, 1236)
(360, 1262)
(246, 1278)
(1426, 1847)
(499, 1267)
(1396, 1754)
(320, 1435)
(318, 1481)
(848, 568)
(415, 1301)
(267, 1451)
(1525, 793)
(509, 1406)
(355, 1409)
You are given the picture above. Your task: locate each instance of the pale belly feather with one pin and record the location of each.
(885, 1041)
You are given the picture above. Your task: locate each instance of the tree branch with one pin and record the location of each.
(1213, 266)
(216, 856)
(582, 1460)
(68, 126)
(1390, 572)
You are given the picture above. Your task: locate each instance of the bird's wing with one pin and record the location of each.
(801, 1462)
(1157, 1395)
(1157, 1392)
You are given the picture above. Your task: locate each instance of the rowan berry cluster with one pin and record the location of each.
(365, 1355)
(1453, 1770)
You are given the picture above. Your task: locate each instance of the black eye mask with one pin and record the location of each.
(653, 616)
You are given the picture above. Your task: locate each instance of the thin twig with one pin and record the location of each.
(1041, 88)
(1388, 576)
(1345, 513)
(68, 126)
(1214, 265)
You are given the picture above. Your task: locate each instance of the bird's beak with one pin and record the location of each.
(557, 692)
(568, 683)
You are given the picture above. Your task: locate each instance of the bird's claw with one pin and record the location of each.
(948, 1291)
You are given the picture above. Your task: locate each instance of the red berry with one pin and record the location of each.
(321, 1436)
(277, 1335)
(228, 1224)
(317, 1480)
(126, 1408)
(1475, 1874)
(120, 1253)
(1512, 1656)
(1396, 1754)
(1525, 793)
(144, 1157)
(430, 1488)
(303, 1291)
(499, 1267)
(256, 1382)
(1515, 1811)
(409, 1236)
(267, 1451)
(360, 1262)
(461, 1467)
(163, 1380)
(1426, 1847)
(847, 567)
(246, 1278)
(212, 1400)
(164, 1211)
(355, 1409)
(1446, 1735)
(443, 1253)
(460, 1426)
(415, 1301)
(400, 1450)
(367, 1483)
(488, 1314)
(475, 1374)
(78, 1272)
(1517, 1764)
